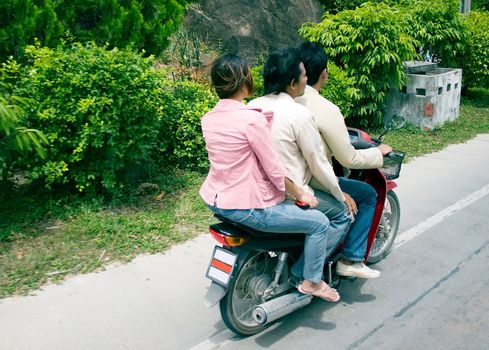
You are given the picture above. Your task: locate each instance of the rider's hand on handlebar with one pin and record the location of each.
(350, 204)
(384, 148)
(309, 199)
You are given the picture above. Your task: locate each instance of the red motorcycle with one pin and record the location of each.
(250, 269)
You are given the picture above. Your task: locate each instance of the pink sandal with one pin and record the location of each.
(322, 293)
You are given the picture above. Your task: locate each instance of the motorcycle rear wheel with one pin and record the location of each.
(388, 229)
(246, 292)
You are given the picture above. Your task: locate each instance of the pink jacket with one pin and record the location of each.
(245, 170)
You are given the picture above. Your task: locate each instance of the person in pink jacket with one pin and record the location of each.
(247, 182)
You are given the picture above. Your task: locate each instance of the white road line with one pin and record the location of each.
(439, 217)
(217, 341)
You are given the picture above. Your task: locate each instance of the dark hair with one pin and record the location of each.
(281, 68)
(315, 60)
(229, 73)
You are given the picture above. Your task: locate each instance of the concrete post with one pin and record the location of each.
(465, 6)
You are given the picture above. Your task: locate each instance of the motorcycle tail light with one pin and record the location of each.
(230, 241)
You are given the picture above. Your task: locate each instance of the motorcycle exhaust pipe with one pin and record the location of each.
(279, 307)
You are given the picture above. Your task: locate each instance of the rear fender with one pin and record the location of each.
(214, 294)
(216, 291)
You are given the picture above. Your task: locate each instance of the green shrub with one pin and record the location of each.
(482, 5)
(335, 6)
(340, 89)
(99, 109)
(15, 139)
(180, 142)
(141, 24)
(257, 73)
(370, 43)
(437, 26)
(475, 60)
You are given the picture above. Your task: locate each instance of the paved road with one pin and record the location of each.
(433, 292)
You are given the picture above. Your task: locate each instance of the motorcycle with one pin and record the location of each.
(249, 270)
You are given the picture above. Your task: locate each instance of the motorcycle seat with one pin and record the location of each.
(229, 225)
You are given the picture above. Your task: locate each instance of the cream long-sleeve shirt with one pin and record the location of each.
(297, 140)
(332, 127)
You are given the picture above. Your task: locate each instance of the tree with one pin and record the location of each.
(17, 26)
(438, 27)
(141, 24)
(371, 44)
(475, 60)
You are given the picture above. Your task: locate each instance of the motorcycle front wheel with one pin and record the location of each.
(246, 292)
(388, 228)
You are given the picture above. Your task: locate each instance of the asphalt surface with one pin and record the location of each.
(433, 292)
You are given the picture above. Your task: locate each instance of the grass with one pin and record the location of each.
(44, 238)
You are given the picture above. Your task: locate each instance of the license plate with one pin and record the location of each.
(221, 266)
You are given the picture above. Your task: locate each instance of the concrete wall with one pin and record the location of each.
(430, 98)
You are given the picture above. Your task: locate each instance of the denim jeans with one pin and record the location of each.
(286, 217)
(365, 197)
(355, 239)
(339, 223)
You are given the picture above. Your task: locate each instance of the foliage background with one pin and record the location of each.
(99, 109)
(370, 43)
(15, 139)
(180, 141)
(475, 58)
(140, 24)
(370, 40)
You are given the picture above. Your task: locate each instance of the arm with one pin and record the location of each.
(312, 148)
(299, 194)
(260, 139)
(335, 134)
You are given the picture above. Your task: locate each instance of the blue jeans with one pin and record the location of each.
(339, 223)
(365, 196)
(286, 217)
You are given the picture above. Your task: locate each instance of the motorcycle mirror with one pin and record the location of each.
(395, 123)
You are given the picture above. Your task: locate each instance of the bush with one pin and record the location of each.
(99, 109)
(437, 26)
(15, 139)
(141, 24)
(480, 5)
(335, 6)
(370, 43)
(180, 141)
(257, 73)
(475, 60)
(340, 89)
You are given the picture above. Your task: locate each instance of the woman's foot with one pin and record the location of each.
(320, 290)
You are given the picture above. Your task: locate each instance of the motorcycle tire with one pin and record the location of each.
(245, 293)
(388, 229)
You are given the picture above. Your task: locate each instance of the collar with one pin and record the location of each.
(311, 90)
(284, 96)
(227, 103)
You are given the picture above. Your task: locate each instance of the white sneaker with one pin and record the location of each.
(358, 269)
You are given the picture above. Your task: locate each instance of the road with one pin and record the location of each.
(433, 292)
